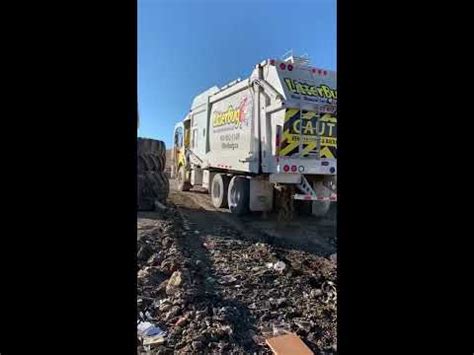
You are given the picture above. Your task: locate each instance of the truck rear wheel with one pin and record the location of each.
(320, 208)
(183, 185)
(303, 208)
(238, 195)
(219, 188)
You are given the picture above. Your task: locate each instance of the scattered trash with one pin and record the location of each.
(280, 329)
(144, 252)
(175, 280)
(142, 273)
(209, 245)
(210, 293)
(154, 340)
(259, 340)
(303, 324)
(181, 321)
(147, 329)
(279, 266)
(227, 279)
(281, 301)
(149, 316)
(329, 290)
(289, 344)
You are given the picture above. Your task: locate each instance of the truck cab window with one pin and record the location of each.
(178, 138)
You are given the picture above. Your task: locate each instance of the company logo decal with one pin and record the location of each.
(301, 88)
(232, 116)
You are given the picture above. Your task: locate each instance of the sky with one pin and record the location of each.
(188, 46)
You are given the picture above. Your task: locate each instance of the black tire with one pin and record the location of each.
(320, 208)
(183, 185)
(162, 162)
(145, 202)
(151, 146)
(151, 186)
(149, 162)
(238, 195)
(159, 185)
(332, 213)
(151, 155)
(219, 188)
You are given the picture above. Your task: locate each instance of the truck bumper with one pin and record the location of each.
(284, 178)
(308, 197)
(306, 166)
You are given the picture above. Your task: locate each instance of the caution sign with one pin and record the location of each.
(301, 129)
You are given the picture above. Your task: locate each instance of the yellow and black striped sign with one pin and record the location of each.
(304, 126)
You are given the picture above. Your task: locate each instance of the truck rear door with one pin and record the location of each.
(308, 134)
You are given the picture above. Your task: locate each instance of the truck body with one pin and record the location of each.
(275, 131)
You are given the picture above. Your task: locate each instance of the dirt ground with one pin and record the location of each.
(308, 233)
(217, 283)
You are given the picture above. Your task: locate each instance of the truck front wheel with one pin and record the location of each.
(239, 195)
(219, 188)
(182, 184)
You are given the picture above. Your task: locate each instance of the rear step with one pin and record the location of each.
(310, 197)
(310, 194)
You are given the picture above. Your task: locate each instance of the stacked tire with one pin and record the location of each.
(152, 182)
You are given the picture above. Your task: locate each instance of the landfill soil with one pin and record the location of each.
(217, 286)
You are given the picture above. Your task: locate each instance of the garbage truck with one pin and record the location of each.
(267, 142)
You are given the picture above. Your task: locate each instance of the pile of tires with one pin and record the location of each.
(152, 182)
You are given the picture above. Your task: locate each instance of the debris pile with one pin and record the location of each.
(225, 292)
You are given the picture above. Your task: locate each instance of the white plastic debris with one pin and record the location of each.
(279, 266)
(154, 340)
(148, 315)
(228, 279)
(147, 329)
(142, 273)
(280, 329)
